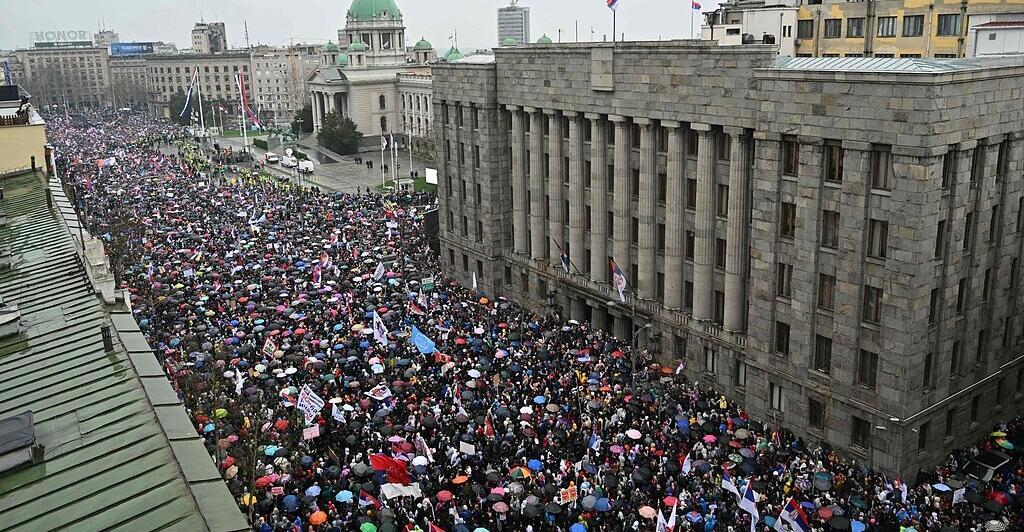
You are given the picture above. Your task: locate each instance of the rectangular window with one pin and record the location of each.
(954, 360)
(948, 167)
(922, 437)
(815, 414)
(690, 245)
(634, 185)
(781, 338)
(634, 232)
(881, 168)
(940, 239)
(719, 307)
(720, 253)
(823, 354)
(975, 404)
(833, 28)
(978, 163)
(691, 193)
(933, 306)
(805, 29)
(985, 286)
(662, 187)
(661, 238)
(1002, 160)
(872, 304)
(826, 291)
(692, 143)
(790, 156)
(993, 225)
(829, 229)
(784, 286)
(968, 228)
(777, 397)
(913, 25)
(961, 295)
(787, 222)
(739, 374)
(855, 27)
(867, 369)
(949, 25)
(981, 355)
(886, 26)
(834, 162)
(878, 236)
(610, 178)
(950, 418)
(710, 359)
(722, 201)
(688, 294)
(929, 371)
(476, 156)
(861, 434)
(724, 147)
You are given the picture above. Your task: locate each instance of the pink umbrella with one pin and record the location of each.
(710, 438)
(616, 449)
(498, 490)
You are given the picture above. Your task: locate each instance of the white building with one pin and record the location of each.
(373, 78)
(752, 22)
(513, 24)
(998, 36)
(279, 80)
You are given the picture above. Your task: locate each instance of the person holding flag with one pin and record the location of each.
(793, 514)
(748, 503)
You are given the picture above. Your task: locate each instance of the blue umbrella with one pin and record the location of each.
(313, 491)
(540, 399)
(209, 428)
(290, 503)
(338, 327)
(535, 465)
(578, 527)
(694, 517)
(602, 505)
(270, 450)
(857, 526)
(343, 496)
(306, 461)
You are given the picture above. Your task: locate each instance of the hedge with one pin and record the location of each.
(260, 143)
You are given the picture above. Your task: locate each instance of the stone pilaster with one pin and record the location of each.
(537, 189)
(577, 224)
(703, 264)
(736, 252)
(520, 184)
(674, 233)
(648, 228)
(598, 198)
(623, 194)
(556, 190)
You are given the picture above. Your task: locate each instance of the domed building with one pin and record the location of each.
(374, 78)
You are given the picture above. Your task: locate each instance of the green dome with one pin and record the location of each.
(330, 47)
(373, 9)
(423, 45)
(544, 39)
(453, 55)
(509, 41)
(358, 46)
(343, 60)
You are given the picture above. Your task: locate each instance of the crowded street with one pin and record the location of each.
(342, 382)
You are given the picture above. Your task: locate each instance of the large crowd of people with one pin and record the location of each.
(342, 382)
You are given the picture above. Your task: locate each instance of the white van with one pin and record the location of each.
(306, 167)
(271, 158)
(289, 162)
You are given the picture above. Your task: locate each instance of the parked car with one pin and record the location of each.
(306, 167)
(271, 158)
(289, 162)
(986, 465)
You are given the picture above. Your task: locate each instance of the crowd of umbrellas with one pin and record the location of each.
(342, 382)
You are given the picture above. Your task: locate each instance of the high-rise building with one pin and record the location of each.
(513, 24)
(817, 238)
(78, 77)
(209, 38)
(279, 81)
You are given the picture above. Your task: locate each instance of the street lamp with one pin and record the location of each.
(635, 333)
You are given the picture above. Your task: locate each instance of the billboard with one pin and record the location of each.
(131, 48)
(45, 37)
(431, 175)
(63, 44)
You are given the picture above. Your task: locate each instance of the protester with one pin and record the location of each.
(431, 404)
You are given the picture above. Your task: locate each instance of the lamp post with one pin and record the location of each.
(634, 333)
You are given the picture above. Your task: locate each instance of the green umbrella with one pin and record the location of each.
(367, 527)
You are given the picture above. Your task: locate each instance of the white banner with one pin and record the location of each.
(394, 491)
(380, 331)
(310, 403)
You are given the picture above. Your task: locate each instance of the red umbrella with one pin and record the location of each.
(670, 501)
(228, 462)
(460, 341)
(710, 438)
(281, 424)
(444, 495)
(825, 512)
(263, 482)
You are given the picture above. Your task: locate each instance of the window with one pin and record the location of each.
(949, 25)
(690, 245)
(1002, 160)
(954, 360)
(382, 102)
(662, 187)
(692, 143)
(881, 168)
(790, 156)
(833, 28)
(878, 235)
(724, 147)
(913, 25)
(826, 291)
(634, 186)
(834, 163)
(872, 304)
(777, 398)
(994, 231)
(710, 359)
(940, 239)
(961, 295)
(855, 27)
(981, 355)
(815, 414)
(922, 437)
(829, 229)
(805, 29)
(722, 201)
(950, 417)
(476, 156)
(948, 168)
(688, 294)
(739, 374)
(661, 238)
(933, 306)
(929, 371)
(787, 223)
(985, 286)
(968, 228)
(974, 408)
(784, 287)
(977, 162)
(823, 354)
(867, 369)
(781, 338)
(886, 26)
(691, 193)
(720, 253)
(861, 436)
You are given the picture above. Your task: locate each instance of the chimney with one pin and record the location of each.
(108, 341)
(10, 320)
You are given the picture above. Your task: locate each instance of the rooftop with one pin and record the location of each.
(119, 450)
(903, 65)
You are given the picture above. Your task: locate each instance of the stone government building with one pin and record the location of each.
(834, 242)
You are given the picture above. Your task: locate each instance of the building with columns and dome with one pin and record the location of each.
(374, 77)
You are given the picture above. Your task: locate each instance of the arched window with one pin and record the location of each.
(383, 123)
(383, 102)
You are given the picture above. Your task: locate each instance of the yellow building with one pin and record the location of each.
(897, 28)
(22, 133)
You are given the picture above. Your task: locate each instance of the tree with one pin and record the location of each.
(178, 101)
(303, 120)
(339, 135)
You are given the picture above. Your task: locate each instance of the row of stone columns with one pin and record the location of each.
(323, 103)
(530, 214)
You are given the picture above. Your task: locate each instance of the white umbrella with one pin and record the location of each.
(634, 434)
(420, 461)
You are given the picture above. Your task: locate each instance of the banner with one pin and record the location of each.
(380, 331)
(310, 403)
(309, 433)
(394, 491)
(379, 392)
(467, 448)
(269, 347)
(420, 340)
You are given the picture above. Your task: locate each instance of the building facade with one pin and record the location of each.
(279, 81)
(170, 74)
(513, 24)
(209, 38)
(22, 132)
(78, 77)
(372, 76)
(105, 38)
(854, 284)
(129, 81)
(750, 22)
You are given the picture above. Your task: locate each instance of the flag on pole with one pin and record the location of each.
(672, 518)
(188, 95)
(748, 503)
(380, 331)
(379, 272)
(336, 413)
(794, 514)
(695, 4)
(687, 464)
(613, 4)
(434, 528)
(365, 499)
(383, 142)
(561, 255)
(243, 99)
(619, 280)
(728, 485)
(662, 525)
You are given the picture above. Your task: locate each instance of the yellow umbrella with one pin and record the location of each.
(248, 499)
(998, 434)
(220, 413)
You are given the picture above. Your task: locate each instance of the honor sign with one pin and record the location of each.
(56, 38)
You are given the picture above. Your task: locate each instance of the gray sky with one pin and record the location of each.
(276, 22)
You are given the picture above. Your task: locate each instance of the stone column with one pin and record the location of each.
(577, 224)
(648, 227)
(316, 112)
(736, 252)
(598, 199)
(520, 209)
(623, 223)
(703, 264)
(537, 245)
(556, 190)
(676, 200)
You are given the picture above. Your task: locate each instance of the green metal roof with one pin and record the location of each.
(423, 44)
(343, 60)
(330, 47)
(453, 54)
(544, 39)
(113, 440)
(357, 46)
(509, 41)
(372, 9)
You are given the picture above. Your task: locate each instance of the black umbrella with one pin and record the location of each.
(839, 522)
(553, 508)
(530, 511)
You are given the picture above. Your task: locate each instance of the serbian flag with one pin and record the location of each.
(365, 499)
(695, 5)
(795, 516)
(317, 275)
(687, 464)
(728, 485)
(619, 280)
(434, 528)
(561, 255)
(416, 309)
(613, 4)
(325, 259)
(395, 469)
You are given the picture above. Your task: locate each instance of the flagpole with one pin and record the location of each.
(241, 116)
(614, 37)
(202, 120)
(383, 174)
(409, 147)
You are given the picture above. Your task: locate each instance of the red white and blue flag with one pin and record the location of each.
(619, 280)
(748, 503)
(613, 4)
(728, 485)
(695, 5)
(793, 514)
(365, 499)
(243, 102)
(191, 87)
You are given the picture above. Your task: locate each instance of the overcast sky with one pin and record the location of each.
(278, 22)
